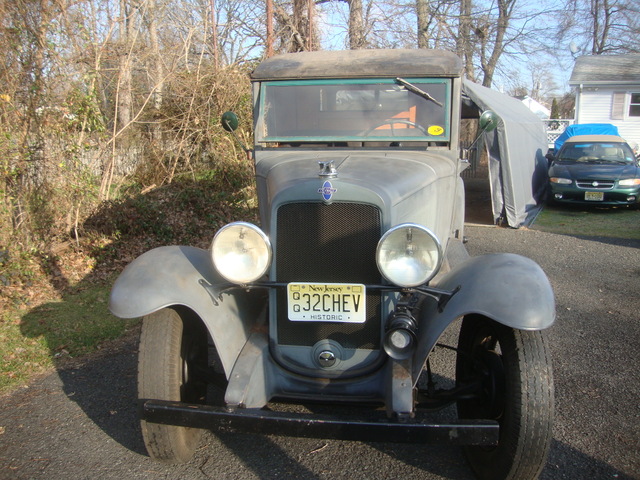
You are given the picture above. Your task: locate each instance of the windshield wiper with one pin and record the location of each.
(413, 89)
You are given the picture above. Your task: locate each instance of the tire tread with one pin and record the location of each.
(159, 375)
(526, 436)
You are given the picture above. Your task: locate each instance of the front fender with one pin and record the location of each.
(170, 276)
(508, 288)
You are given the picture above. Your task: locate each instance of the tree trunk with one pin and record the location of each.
(464, 46)
(156, 55)
(300, 24)
(505, 7)
(214, 34)
(292, 40)
(424, 16)
(356, 25)
(125, 88)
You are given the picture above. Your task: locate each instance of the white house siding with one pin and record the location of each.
(595, 104)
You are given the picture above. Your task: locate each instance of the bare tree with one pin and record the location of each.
(127, 43)
(303, 20)
(289, 37)
(423, 15)
(601, 26)
(28, 62)
(152, 18)
(357, 36)
(147, 74)
(464, 45)
(490, 31)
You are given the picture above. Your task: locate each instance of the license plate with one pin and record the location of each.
(594, 196)
(326, 302)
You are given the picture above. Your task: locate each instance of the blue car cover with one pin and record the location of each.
(585, 129)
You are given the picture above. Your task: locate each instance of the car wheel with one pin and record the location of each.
(172, 350)
(512, 369)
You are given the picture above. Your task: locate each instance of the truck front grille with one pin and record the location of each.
(328, 243)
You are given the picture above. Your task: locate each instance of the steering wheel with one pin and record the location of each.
(392, 122)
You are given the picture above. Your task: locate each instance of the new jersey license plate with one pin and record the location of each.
(326, 302)
(594, 196)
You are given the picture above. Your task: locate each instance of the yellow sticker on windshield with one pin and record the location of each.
(435, 130)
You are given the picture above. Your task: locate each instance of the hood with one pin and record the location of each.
(594, 171)
(390, 176)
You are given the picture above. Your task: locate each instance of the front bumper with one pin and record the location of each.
(260, 421)
(574, 195)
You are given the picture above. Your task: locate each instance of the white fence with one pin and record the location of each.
(555, 128)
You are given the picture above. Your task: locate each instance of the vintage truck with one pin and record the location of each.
(339, 297)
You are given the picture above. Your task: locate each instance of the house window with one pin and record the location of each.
(634, 105)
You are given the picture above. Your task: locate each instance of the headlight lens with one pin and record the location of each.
(409, 255)
(628, 182)
(241, 252)
(561, 180)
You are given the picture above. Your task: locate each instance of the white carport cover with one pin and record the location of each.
(517, 164)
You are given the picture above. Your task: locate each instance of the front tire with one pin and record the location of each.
(173, 347)
(513, 369)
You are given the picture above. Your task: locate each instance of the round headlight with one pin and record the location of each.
(409, 255)
(241, 252)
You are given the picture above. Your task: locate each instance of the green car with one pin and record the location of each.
(595, 170)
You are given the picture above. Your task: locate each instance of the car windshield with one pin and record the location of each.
(598, 152)
(355, 110)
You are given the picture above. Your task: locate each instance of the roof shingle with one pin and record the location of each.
(591, 69)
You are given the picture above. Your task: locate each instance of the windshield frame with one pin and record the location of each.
(434, 134)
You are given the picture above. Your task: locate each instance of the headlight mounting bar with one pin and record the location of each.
(439, 295)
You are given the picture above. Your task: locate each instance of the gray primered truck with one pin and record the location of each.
(340, 296)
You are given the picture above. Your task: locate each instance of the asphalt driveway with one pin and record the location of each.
(80, 422)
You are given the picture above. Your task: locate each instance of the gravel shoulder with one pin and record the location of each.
(80, 421)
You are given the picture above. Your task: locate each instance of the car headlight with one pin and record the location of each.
(561, 180)
(408, 255)
(241, 252)
(629, 182)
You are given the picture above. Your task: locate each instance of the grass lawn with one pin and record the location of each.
(32, 341)
(613, 222)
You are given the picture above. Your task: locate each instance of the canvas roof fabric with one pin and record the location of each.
(359, 64)
(518, 169)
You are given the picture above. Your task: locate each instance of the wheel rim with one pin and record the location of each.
(493, 384)
(191, 389)
(485, 367)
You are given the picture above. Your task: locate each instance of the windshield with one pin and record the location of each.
(354, 110)
(600, 152)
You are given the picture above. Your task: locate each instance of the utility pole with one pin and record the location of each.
(269, 28)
